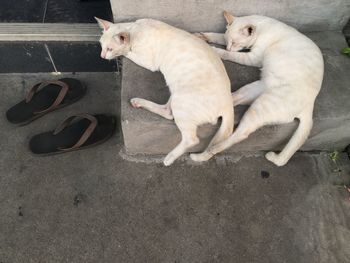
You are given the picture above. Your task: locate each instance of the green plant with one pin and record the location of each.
(346, 51)
(334, 156)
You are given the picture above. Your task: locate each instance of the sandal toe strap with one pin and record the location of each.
(63, 92)
(85, 136)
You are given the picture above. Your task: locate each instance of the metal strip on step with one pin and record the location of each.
(49, 32)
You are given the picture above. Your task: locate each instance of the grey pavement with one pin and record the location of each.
(99, 205)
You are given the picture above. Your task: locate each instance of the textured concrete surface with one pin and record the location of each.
(94, 206)
(206, 15)
(145, 132)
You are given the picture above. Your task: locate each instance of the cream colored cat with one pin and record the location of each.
(291, 77)
(199, 86)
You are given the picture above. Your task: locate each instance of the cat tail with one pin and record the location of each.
(225, 130)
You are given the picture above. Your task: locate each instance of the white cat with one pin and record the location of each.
(291, 77)
(199, 86)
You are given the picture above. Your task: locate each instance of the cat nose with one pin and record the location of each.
(103, 54)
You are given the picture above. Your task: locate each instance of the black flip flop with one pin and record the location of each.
(45, 97)
(87, 131)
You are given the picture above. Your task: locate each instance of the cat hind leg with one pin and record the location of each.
(162, 110)
(298, 139)
(188, 140)
(250, 122)
(222, 134)
(243, 96)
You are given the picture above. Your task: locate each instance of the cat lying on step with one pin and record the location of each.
(199, 86)
(291, 77)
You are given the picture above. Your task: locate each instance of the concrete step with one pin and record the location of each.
(49, 32)
(147, 133)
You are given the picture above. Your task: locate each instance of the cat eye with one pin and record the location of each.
(248, 30)
(120, 37)
(109, 49)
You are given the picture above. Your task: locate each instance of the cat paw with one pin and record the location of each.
(216, 49)
(275, 158)
(168, 160)
(200, 157)
(136, 102)
(221, 52)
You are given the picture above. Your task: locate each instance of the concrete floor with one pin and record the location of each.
(95, 206)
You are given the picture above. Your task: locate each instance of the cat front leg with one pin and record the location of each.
(252, 58)
(162, 110)
(248, 93)
(223, 53)
(214, 38)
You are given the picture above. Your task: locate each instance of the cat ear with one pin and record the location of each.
(229, 17)
(248, 30)
(123, 37)
(104, 24)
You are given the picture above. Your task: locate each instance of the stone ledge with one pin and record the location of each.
(205, 15)
(147, 133)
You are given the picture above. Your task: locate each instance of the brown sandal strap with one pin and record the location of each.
(86, 135)
(59, 99)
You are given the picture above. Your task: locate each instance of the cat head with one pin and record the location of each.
(115, 41)
(240, 33)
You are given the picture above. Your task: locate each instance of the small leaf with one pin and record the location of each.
(346, 51)
(334, 156)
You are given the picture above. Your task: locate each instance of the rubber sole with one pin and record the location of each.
(80, 148)
(35, 117)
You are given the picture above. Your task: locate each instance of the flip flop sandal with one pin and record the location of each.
(87, 131)
(45, 97)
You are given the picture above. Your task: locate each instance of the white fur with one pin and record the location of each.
(291, 77)
(199, 86)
